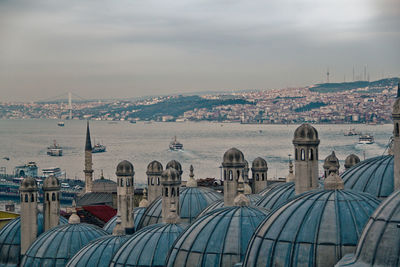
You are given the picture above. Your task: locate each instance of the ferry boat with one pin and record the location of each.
(366, 139)
(61, 124)
(55, 150)
(175, 145)
(53, 171)
(98, 148)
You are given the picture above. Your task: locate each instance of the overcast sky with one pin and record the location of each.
(129, 48)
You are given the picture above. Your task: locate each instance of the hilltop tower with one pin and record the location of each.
(125, 191)
(306, 143)
(154, 171)
(29, 226)
(233, 166)
(51, 195)
(171, 181)
(88, 162)
(396, 139)
(259, 171)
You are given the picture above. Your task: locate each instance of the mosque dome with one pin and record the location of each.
(98, 252)
(10, 240)
(154, 168)
(373, 176)
(259, 164)
(175, 165)
(233, 158)
(269, 188)
(192, 200)
(305, 134)
(28, 184)
(149, 246)
(125, 168)
(219, 238)
(379, 243)
(137, 215)
(314, 229)
(351, 160)
(51, 183)
(59, 244)
(278, 195)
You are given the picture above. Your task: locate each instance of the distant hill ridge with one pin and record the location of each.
(378, 85)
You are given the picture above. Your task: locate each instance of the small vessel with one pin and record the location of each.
(175, 145)
(6, 158)
(366, 139)
(60, 123)
(98, 148)
(351, 132)
(132, 121)
(55, 150)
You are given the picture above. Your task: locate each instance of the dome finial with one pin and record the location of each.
(118, 229)
(290, 177)
(191, 182)
(241, 199)
(74, 218)
(333, 181)
(144, 202)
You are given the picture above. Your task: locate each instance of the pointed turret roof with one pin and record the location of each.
(88, 145)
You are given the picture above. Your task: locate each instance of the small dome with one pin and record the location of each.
(51, 183)
(278, 195)
(125, 168)
(379, 243)
(351, 160)
(306, 134)
(175, 165)
(154, 168)
(373, 176)
(98, 252)
(10, 240)
(219, 238)
(331, 161)
(192, 201)
(170, 175)
(28, 184)
(137, 215)
(259, 164)
(59, 244)
(233, 158)
(314, 229)
(149, 246)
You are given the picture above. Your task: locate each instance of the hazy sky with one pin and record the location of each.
(129, 48)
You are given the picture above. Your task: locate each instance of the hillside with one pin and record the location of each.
(375, 86)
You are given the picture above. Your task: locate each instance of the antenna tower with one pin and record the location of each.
(70, 105)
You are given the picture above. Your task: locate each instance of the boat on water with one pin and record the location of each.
(55, 150)
(351, 132)
(132, 121)
(98, 148)
(366, 139)
(61, 123)
(175, 145)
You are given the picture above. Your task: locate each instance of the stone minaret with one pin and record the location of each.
(29, 226)
(396, 139)
(331, 162)
(350, 161)
(125, 191)
(259, 171)
(233, 167)
(154, 171)
(88, 162)
(51, 194)
(306, 143)
(171, 181)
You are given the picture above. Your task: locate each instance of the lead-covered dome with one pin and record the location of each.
(279, 194)
(154, 168)
(219, 238)
(28, 184)
(314, 229)
(351, 160)
(175, 165)
(233, 158)
(51, 183)
(305, 134)
(58, 245)
(373, 176)
(259, 164)
(10, 240)
(192, 200)
(137, 215)
(125, 168)
(149, 246)
(379, 243)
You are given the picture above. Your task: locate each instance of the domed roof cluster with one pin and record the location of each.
(175, 165)
(278, 195)
(219, 238)
(51, 183)
(137, 216)
(233, 157)
(314, 229)
(351, 160)
(305, 134)
(154, 167)
(125, 168)
(259, 164)
(373, 176)
(149, 246)
(59, 244)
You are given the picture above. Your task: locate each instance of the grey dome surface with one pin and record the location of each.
(58, 245)
(28, 184)
(278, 195)
(314, 229)
(10, 240)
(125, 168)
(233, 157)
(351, 160)
(137, 215)
(149, 246)
(305, 134)
(98, 252)
(192, 201)
(175, 165)
(373, 176)
(154, 167)
(219, 238)
(379, 243)
(51, 183)
(259, 164)
(269, 188)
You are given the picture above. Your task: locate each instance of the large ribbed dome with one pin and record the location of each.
(219, 238)
(278, 195)
(149, 246)
(374, 176)
(137, 215)
(98, 252)
(58, 245)
(269, 188)
(314, 229)
(10, 240)
(192, 200)
(379, 243)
